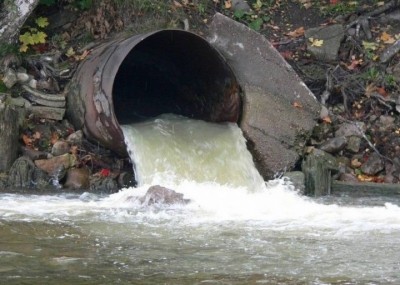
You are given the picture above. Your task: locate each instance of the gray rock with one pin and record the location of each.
(22, 77)
(76, 137)
(52, 165)
(24, 174)
(373, 165)
(161, 195)
(386, 121)
(332, 37)
(353, 144)
(9, 78)
(60, 147)
(334, 145)
(351, 129)
(77, 178)
(103, 185)
(240, 5)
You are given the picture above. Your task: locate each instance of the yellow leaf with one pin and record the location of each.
(386, 38)
(39, 38)
(228, 4)
(316, 42)
(70, 52)
(369, 45)
(42, 22)
(26, 39)
(23, 48)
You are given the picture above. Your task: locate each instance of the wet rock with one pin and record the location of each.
(334, 145)
(373, 165)
(126, 179)
(161, 195)
(75, 138)
(297, 179)
(100, 184)
(52, 165)
(77, 178)
(9, 78)
(351, 129)
(3, 181)
(24, 174)
(332, 36)
(34, 154)
(60, 147)
(347, 177)
(353, 144)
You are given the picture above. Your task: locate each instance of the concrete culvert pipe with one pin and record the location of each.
(129, 80)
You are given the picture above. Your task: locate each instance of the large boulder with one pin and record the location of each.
(279, 111)
(160, 195)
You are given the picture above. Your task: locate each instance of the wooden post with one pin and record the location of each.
(8, 136)
(318, 168)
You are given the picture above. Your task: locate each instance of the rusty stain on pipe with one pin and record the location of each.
(128, 80)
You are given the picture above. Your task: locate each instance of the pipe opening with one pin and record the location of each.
(178, 72)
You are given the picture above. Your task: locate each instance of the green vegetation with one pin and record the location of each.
(341, 8)
(34, 35)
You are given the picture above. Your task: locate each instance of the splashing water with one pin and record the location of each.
(236, 229)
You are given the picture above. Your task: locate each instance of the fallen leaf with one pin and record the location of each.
(297, 105)
(296, 33)
(334, 2)
(327, 120)
(27, 140)
(387, 39)
(228, 4)
(54, 138)
(355, 163)
(316, 42)
(105, 172)
(354, 64)
(370, 45)
(381, 91)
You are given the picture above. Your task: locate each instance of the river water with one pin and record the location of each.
(236, 229)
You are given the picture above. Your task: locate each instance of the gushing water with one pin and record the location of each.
(236, 229)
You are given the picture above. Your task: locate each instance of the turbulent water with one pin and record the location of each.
(235, 230)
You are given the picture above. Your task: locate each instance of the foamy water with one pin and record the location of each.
(235, 229)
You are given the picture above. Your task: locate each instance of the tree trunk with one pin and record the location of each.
(8, 136)
(13, 15)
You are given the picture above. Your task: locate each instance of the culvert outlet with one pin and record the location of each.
(129, 80)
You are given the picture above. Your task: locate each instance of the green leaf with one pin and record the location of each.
(26, 39)
(239, 14)
(39, 38)
(42, 22)
(256, 24)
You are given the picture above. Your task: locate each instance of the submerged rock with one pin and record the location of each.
(77, 178)
(161, 195)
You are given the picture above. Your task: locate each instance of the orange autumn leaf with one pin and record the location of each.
(381, 91)
(296, 33)
(54, 138)
(27, 140)
(354, 64)
(297, 105)
(327, 120)
(228, 4)
(387, 39)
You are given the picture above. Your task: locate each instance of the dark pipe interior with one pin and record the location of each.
(175, 72)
